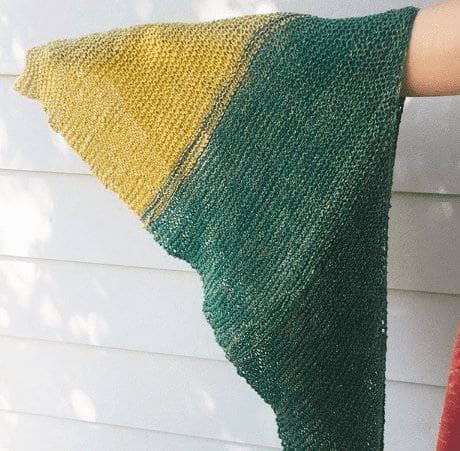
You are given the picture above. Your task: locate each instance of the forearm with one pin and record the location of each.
(433, 58)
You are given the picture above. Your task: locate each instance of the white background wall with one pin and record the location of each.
(103, 345)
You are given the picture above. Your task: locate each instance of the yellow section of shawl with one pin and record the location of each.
(129, 101)
(202, 139)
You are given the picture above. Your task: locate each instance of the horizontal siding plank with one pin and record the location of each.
(159, 311)
(412, 418)
(130, 308)
(421, 333)
(27, 142)
(70, 217)
(175, 395)
(24, 23)
(424, 243)
(25, 432)
(427, 157)
(427, 152)
(164, 393)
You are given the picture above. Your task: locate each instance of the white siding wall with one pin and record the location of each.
(103, 345)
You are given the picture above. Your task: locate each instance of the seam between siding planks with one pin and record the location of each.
(10, 257)
(160, 354)
(421, 194)
(121, 426)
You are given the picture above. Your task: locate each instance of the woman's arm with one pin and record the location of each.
(433, 58)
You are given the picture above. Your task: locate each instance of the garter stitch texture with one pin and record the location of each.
(260, 150)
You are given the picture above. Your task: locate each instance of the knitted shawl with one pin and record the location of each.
(260, 150)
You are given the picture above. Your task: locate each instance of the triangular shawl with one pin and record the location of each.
(260, 150)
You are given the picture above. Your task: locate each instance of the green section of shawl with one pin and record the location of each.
(285, 218)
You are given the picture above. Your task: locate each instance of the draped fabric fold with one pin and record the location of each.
(260, 150)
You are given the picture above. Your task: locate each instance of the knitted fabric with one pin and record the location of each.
(260, 150)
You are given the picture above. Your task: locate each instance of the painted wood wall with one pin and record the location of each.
(103, 345)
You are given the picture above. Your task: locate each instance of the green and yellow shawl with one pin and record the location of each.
(260, 150)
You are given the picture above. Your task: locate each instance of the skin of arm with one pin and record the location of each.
(433, 56)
